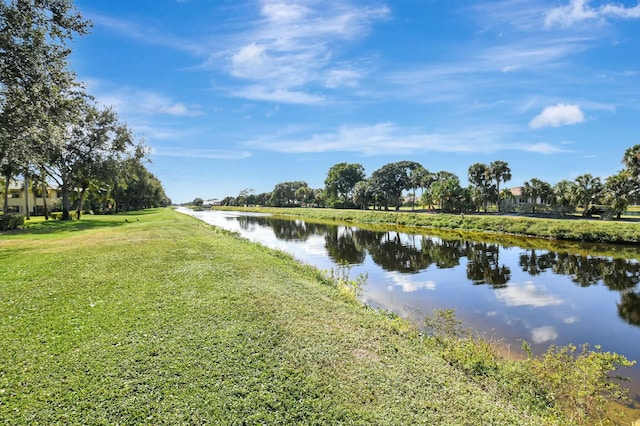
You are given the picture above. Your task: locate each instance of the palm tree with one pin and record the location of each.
(419, 178)
(631, 160)
(500, 171)
(587, 190)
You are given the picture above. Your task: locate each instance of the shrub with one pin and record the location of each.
(11, 221)
(577, 384)
(579, 381)
(58, 215)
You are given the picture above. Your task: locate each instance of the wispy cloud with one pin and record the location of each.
(294, 44)
(133, 102)
(580, 10)
(558, 115)
(389, 138)
(219, 154)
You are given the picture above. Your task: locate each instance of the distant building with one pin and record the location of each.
(17, 202)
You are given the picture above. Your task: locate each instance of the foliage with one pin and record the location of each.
(390, 180)
(340, 278)
(10, 221)
(578, 386)
(500, 172)
(59, 216)
(579, 381)
(286, 194)
(341, 181)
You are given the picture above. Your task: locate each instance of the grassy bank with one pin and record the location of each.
(162, 319)
(596, 231)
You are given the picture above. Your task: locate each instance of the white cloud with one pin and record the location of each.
(580, 10)
(281, 95)
(337, 78)
(558, 115)
(545, 148)
(409, 285)
(526, 295)
(131, 102)
(543, 334)
(281, 12)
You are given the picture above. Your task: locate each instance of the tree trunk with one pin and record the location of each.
(27, 210)
(44, 198)
(83, 194)
(5, 208)
(65, 200)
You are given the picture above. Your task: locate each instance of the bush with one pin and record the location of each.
(11, 221)
(575, 382)
(58, 215)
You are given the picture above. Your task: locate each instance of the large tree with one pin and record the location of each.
(393, 178)
(619, 191)
(500, 172)
(631, 160)
(34, 76)
(563, 197)
(536, 190)
(446, 190)
(340, 181)
(90, 138)
(285, 194)
(479, 176)
(587, 191)
(420, 178)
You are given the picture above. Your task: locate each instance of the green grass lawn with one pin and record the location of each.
(166, 320)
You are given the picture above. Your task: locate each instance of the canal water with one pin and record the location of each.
(508, 292)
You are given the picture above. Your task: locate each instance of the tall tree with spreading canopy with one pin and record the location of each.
(341, 180)
(90, 137)
(393, 178)
(34, 78)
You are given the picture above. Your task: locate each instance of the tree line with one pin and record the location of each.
(396, 184)
(51, 129)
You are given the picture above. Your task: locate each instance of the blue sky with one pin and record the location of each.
(235, 94)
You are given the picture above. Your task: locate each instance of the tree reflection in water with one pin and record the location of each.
(409, 254)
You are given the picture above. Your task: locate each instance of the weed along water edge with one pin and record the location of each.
(169, 320)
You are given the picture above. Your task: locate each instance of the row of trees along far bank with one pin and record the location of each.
(346, 186)
(51, 130)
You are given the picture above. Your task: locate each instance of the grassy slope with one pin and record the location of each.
(561, 229)
(166, 320)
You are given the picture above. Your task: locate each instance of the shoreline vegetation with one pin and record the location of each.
(155, 317)
(566, 229)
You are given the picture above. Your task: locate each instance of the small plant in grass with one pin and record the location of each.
(339, 276)
(461, 347)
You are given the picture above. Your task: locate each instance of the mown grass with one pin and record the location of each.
(594, 231)
(166, 320)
